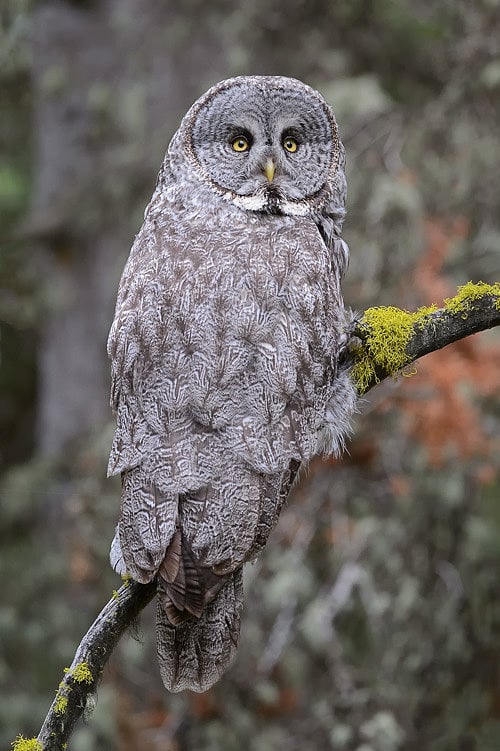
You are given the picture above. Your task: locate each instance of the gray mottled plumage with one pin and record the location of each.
(225, 355)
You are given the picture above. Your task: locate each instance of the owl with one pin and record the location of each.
(227, 350)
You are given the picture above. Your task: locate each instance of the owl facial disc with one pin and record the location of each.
(266, 143)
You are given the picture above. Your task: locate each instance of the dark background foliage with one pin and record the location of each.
(372, 620)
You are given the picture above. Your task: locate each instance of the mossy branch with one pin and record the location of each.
(80, 681)
(390, 339)
(385, 341)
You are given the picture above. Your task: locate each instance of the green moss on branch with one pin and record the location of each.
(391, 338)
(385, 333)
(26, 744)
(469, 294)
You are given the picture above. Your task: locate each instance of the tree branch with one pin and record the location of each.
(390, 338)
(385, 341)
(82, 678)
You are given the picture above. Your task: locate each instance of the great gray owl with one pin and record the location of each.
(225, 350)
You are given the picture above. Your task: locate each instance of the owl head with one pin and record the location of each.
(267, 144)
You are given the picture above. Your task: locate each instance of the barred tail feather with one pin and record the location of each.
(195, 653)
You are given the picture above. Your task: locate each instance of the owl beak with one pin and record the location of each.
(269, 169)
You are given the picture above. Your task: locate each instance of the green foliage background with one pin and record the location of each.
(373, 620)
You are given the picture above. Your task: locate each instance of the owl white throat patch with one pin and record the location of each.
(269, 203)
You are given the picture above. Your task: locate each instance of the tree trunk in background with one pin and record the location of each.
(111, 80)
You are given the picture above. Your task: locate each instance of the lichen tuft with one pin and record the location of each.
(469, 293)
(387, 333)
(80, 673)
(61, 704)
(26, 744)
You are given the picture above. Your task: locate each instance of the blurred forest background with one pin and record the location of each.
(372, 620)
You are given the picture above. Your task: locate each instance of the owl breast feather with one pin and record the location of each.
(224, 342)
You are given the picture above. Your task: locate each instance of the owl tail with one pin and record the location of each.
(197, 650)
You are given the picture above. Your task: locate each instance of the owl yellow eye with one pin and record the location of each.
(240, 144)
(290, 144)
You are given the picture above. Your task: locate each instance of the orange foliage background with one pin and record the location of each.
(437, 406)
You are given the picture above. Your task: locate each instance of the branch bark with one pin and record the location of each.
(432, 331)
(95, 649)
